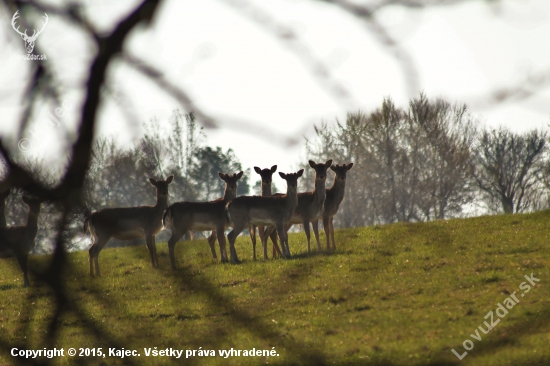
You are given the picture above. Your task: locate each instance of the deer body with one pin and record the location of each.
(334, 196)
(311, 204)
(266, 175)
(128, 223)
(201, 216)
(264, 211)
(20, 239)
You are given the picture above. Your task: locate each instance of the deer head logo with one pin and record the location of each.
(29, 41)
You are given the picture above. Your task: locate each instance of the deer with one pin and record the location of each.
(335, 196)
(273, 210)
(20, 239)
(201, 216)
(128, 223)
(266, 175)
(29, 41)
(310, 204)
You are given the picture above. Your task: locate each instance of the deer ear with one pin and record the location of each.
(257, 170)
(283, 175)
(300, 172)
(312, 164)
(348, 167)
(239, 175)
(170, 179)
(26, 199)
(332, 167)
(328, 163)
(222, 176)
(153, 182)
(273, 168)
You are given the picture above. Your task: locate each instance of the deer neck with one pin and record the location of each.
(229, 195)
(320, 192)
(338, 188)
(291, 198)
(266, 190)
(162, 203)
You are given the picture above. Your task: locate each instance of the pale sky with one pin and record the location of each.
(234, 68)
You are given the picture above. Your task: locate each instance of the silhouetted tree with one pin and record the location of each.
(508, 167)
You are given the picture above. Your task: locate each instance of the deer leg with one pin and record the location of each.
(252, 230)
(150, 241)
(264, 243)
(96, 262)
(332, 234)
(232, 236)
(91, 254)
(211, 242)
(154, 240)
(282, 231)
(326, 228)
(268, 232)
(221, 241)
(172, 245)
(305, 224)
(99, 243)
(284, 246)
(22, 259)
(276, 249)
(315, 225)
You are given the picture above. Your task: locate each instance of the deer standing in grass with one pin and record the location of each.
(266, 175)
(310, 204)
(264, 211)
(128, 223)
(201, 216)
(20, 239)
(335, 196)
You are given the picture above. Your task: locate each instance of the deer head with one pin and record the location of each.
(29, 41)
(266, 174)
(162, 186)
(320, 169)
(230, 184)
(341, 171)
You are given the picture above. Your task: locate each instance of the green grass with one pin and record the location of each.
(402, 294)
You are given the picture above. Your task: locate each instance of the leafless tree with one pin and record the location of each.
(410, 165)
(448, 134)
(508, 167)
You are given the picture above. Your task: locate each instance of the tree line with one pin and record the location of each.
(430, 160)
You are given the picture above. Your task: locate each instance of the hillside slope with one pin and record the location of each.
(402, 294)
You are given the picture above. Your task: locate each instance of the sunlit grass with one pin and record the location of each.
(402, 294)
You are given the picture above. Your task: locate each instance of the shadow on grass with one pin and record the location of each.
(9, 286)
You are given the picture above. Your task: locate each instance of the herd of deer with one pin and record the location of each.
(272, 215)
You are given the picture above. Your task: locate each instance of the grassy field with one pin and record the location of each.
(402, 294)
